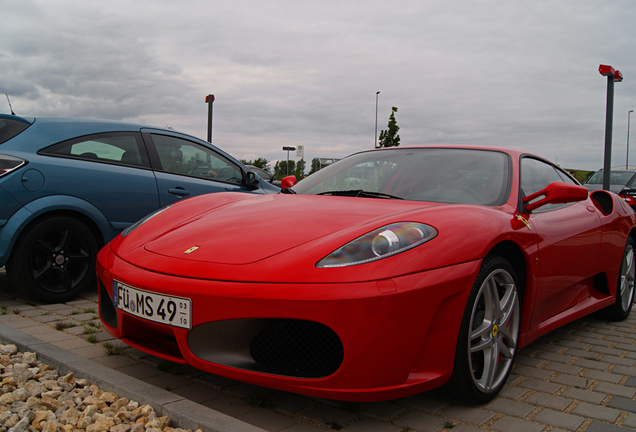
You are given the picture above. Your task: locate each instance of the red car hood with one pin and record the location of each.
(250, 230)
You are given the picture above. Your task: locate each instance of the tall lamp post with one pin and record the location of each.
(629, 113)
(376, 118)
(288, 150)
(612, 76)
(209, 99)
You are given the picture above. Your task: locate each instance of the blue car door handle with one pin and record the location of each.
(179, 191)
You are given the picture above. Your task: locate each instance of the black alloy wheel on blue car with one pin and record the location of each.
(54, 259)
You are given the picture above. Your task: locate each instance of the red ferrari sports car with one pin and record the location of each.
(388, 273)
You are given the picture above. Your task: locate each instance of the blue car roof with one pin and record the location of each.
(45, 131)
(17, 118)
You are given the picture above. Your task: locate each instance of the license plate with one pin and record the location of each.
(174, 311)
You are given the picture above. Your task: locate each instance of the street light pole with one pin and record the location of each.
(629, 113)
(288, 150)
(376, 118)
(612, 76)
(209, 99)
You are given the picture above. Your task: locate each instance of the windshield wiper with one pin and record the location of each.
(288, 191)
(360, 193)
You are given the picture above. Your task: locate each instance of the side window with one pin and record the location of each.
(120, 147)
(181, 156)
(566, 178)
(536, 175)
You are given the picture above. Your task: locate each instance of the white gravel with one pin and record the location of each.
(34, 398)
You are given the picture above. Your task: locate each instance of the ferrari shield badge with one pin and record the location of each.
(192, 249)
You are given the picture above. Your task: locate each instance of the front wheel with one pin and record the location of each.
(488, 335)
(54, 259)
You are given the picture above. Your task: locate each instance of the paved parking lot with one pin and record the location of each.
(579, 378)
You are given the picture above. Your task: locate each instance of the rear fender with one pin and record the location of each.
(618, 221)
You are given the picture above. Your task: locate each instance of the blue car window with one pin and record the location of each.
(181, 156)
(10, 127)
(120, 148)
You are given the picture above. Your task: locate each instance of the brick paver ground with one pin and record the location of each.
(579, 378)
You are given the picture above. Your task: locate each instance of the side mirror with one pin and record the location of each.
(251, 180)
(288, 182)
(555, 193)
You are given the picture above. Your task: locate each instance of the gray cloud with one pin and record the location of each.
(489, 72)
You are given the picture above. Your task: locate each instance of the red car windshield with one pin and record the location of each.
(462, 176)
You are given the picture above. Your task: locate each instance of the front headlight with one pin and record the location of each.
(381, 243)
(144, 220)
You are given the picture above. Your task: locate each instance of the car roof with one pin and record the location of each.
(45, 131)
(73, 120)
(17, 118)
(512, 152)
(47, 119)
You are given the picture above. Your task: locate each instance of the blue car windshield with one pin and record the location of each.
(444, 175)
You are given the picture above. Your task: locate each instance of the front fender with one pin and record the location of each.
(10, 232)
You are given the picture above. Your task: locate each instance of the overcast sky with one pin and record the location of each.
(505, 73)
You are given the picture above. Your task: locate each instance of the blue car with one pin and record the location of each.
(68, 186)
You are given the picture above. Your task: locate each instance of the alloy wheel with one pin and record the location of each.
(494, 330)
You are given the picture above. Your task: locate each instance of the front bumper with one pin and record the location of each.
(365, 341)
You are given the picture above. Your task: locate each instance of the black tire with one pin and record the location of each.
(622, 307)
(488, 336)
(54, 259)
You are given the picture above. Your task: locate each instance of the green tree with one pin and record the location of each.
(280, 169)
(258, 162)
(315, 166)
(261, 163)
(299, 172)
(390, 137)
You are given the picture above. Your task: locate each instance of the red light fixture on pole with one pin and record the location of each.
(209, 99)
(612, 77)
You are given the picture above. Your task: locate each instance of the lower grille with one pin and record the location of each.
(277, 346)
(307, 348)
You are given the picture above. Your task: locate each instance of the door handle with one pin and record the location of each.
(179, 191)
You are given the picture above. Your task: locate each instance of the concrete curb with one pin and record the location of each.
(182, 412)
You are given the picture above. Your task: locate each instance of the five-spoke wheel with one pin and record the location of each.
(494, 330)
(489, 334)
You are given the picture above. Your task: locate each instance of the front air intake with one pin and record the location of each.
(277, 346)
(302, 348)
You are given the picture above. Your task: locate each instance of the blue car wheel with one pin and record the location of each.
(54, 259)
